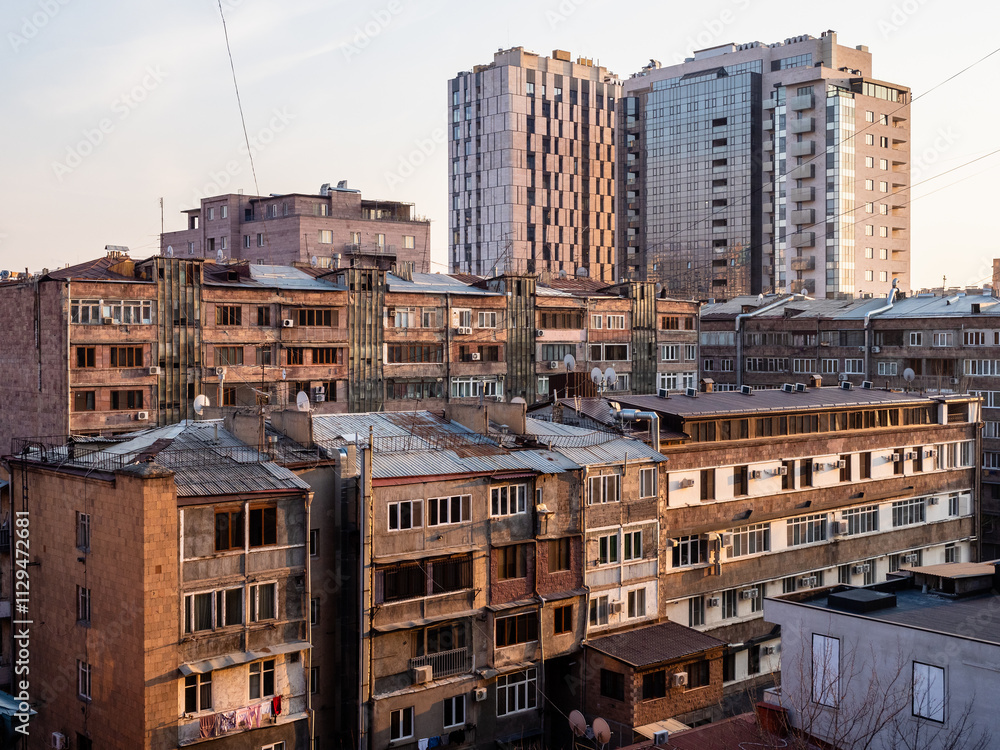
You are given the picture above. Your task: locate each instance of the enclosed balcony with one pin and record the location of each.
(807, 263)
(804, 125)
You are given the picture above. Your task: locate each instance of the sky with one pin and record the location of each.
(110, 107)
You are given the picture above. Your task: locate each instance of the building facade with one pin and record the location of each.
(763, 167)
(335, 228)
(531, 183)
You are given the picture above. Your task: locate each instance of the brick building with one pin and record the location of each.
(337, 227)
(947, 340)
(168, 592)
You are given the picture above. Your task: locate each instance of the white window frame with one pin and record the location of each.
(615, 322)
(401, 724)
(608, 550)
(597, 614)
(519, 690)
(690, 352)
(636, 603)
(394, 514)
(260, 671)
(751, 540)
(669, 353)
(647, 482)
(83, 600)
(84, 680)
(254, 599)
(598, 488)
(888, 368)
(487, 319)
(909, 512)
(596, 322)
(809, 529)
(861, 520)
(916, 338)
(503, 505)
(632, 545)
(447, 504)
(455, 701)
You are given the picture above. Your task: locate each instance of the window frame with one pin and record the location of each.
(394, 515)
(262, 668)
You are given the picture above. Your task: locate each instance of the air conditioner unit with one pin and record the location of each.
(685, 483)
(480, 694)
(143, 415)
(538, 332)
(909, 559)
(876, 350)
(58, 741)
(818, 466)
(475, 356)
(662, 392)
(781, 471)
(679, 679)
(661, 738)
(841, 464)
(748, 594)
(616, 606)
(756, 474)
(930, 453)
(319, 394)
(423, 674)
(746, 390)
(107, 321)
(840, 527)
(897, 457)
(464, 330)
(287, 323)
(220, 371)
(726, 540)
(553, 365)
(861, 569)
(714, 601)
(910, 455)
(808, 581)
(933, 500)
(154, 370)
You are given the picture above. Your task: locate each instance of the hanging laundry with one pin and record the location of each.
(276, 704)
(207, 724)
(422, 744)
(254, 712)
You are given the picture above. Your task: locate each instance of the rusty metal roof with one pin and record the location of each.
(645, 647)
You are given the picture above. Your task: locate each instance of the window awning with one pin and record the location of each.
(234, 659)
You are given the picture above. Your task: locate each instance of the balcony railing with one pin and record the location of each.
(445, 663)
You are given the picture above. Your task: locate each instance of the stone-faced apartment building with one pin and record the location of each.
(335, 228)
(947, 339)
(115, 346)
(168, 592)
(781, 490)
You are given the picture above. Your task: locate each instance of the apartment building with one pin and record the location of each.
(169, 592)
(335, 228)
(903, 658)
(756, 501)
(531, 184)
(946, 341)
(763, 167)
(114, 346)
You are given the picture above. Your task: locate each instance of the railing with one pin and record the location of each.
(445, 663)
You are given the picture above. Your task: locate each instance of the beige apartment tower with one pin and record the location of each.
(763, 168)
(531, 182)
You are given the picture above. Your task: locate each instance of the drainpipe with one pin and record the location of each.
(309, 634)
(868, 333)
(739, 330)
(652, 417)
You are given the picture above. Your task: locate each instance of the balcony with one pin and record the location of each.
(803, 239)
(798, 103)
(802, 195)
(803, 172)
(768, 124)
(802, 148)
(804, 216)
(804, 264)
(768, 165)
(445, 663)
(804, 125)
(770, 103)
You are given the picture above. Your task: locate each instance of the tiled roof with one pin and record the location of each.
(655, 644)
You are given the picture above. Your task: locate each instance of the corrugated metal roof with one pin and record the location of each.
(289, 277)
(958, 304)
(434, 283)
(590, 447)
(644, 647)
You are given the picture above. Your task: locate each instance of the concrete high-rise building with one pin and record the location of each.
(532, 166)
(760, 167)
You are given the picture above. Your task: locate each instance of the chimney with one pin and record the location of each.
(815, 381)
(707, 385)
(404, 269)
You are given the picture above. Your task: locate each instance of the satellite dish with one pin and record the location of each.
(595, 375)
(302, 401)
(200, 402)
(760, 299)
(220, 256)
(658, 287)
(313, 261)
(577, 724)
(570, 361)
(602, 732)
(222, 373)
(170, 251)
(611, 376)
(518, 400)
(283, 373)
(909, 375)
(4, 275)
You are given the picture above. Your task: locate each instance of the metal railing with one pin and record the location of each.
(445, 663)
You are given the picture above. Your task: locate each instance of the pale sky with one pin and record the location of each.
(111, 106)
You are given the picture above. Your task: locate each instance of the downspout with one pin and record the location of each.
(868, 318)
(739, 330)
(654, 424)
(308, 608)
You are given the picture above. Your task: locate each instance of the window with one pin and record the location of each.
(599, 610)
(409, 242)
(295, 355)
(263, 526)
(512, 562)
(406, 514)
(740, 480)
(314, 317)
(84, 673)
(862, 520)
(123, 400)
(690, 352)
(228, 315)
(826, 670)
(749, 540)
(953, 508)
(516, 692)
(228, 355)
(260, 239)
(563, 617)
(633, 545)
(669, 352)
(943, 339)
(647, 482)
(730, 604)
(607, 549)
(442, 511)
(326, 236)
(198, 693)
(654, 685)
(807, 529)
(403, 581)
(263, 601)
(696, 611)
(314, 611)
(928, 691)
(508, 499)
(228, 529)
(487, 320)
(916, 338)
(605, 489)
(126, 356)
(82, 604)
(888, 368)
(698, 674)
(908, 512)
(637, 603)
(559, 555)
(690, 550)
(612, 685)
(314, 680)
(951, 553)
(454, 711)
(615, 322)
(85, 356)
(707, 484)
(83, 531)
(401, 724)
